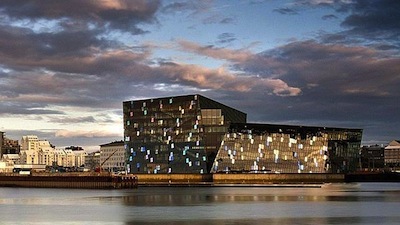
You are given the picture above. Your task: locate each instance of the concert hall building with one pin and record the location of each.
(195, 134)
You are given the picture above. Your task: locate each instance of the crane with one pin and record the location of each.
(99, 170)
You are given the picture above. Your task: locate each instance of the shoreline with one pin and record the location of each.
(110, 181)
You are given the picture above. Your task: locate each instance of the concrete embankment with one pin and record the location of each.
(285, 178)
(106, 181)
(174, 179)
(235, 179)
(74, 180)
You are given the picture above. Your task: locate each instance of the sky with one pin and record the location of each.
(66, 66)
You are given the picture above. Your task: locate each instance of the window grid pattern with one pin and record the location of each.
(272, 153)
(173, 135)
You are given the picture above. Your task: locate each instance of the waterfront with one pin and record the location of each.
(358, 203)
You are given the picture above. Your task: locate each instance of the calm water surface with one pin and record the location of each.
(363, 203)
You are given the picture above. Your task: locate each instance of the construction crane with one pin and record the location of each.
(99, 169)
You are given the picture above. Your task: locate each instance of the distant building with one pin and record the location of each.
(29, 142)
(35, 151)
(373, 157)
(64, 158)
(92, 161)
(42, 152)
(194, 134)
(74, 148)
(8, 146)
(80, 156)
(392, 155)
(45, 153)
(1, 143)
(112, 156)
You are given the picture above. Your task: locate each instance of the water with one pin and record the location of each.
(363, 203)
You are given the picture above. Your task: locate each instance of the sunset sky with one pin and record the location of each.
(67, 66)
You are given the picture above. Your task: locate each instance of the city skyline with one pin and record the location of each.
(67, 66)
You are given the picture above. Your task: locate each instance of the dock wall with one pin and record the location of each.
(98, 181)
(211, 179)
(69, 181)
(166, 179)
(289, 178)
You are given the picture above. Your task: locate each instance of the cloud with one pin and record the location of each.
(193, 6)
(218, 53)
(376, 20)
(329, 17)
(222, 80)
(122, 15)
(341, 86)
(286, 11)
(334, 67)
(84, 133)
(225, 38)
(69, 120)
(12, 108)
(365, 21)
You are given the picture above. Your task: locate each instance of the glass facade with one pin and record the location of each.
(179, 134)
(194, 134)
(266, 148)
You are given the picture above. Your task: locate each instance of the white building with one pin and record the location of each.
(29, 142)
(45, 153)
(112, 156)
(41, 152)
(392, 154)
(79, 158)
(29, 150)
(7, 162)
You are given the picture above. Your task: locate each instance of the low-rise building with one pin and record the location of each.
(372, 157)
(112, 156)
(392, 155)
(8, 146)
(92, 161)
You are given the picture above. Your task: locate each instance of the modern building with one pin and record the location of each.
(180, 134)
(271, 148)
(112, 156)
(194, 134)
(392, 155)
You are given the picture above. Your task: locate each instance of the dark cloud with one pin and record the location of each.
(123, 15)
(286, 11)
(98, 118)
(228, 20)
(225, 38)
(341, 86)
(69, 120)
(365, 21)
(192, 6)
(218, 19)
(376, 20)
(12, 108)
(329, 17)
